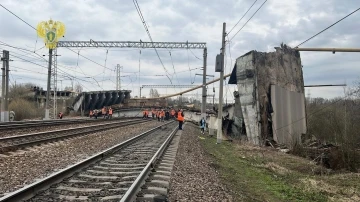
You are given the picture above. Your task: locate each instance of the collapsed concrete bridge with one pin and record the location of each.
(97, 99)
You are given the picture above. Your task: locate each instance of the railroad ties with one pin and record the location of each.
(136, 170)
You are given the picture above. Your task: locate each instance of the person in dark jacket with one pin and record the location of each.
(167, 115)
(202, 123)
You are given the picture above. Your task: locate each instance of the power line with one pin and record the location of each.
(27, 70)
(22, 49)
(28, 61)
(58, 69)
(248, 20)
(39, 57)
(17, 17)
(36, 29)
(328, 27)
(25, 53)
(149, 35)
(241, 17)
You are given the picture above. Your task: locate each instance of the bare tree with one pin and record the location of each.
(78, 88)
(21, 90)
(154, 93)
(68, 88)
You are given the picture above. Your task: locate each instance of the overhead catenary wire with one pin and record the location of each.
(188, 61)
(327, 27)
(172, 62)
(149, 35)
(195, 55)
(87, 58)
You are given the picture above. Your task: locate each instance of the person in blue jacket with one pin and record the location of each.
(202, 125)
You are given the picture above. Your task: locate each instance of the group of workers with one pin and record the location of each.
(106, 113)
(165, 114)
(159, 114)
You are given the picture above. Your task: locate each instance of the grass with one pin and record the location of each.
(261, 174)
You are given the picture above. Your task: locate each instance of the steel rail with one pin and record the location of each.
(19, 125)
(31, 190)
(130, 194)
(48, 136)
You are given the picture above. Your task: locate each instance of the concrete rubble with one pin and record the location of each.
(270, 102)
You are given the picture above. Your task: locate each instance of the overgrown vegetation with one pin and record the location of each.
(25, 109)
(23, 102)
(264, 174)
(335, 123)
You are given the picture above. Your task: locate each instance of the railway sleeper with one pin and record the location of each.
(157, 184)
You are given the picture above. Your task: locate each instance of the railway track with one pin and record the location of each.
(31, 124)
(20, 141)
(117, 173)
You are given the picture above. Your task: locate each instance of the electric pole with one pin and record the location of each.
(220, 110)
(203, 104)
(47, 108)
(5, 89)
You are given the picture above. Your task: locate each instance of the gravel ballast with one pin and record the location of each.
(25, 166)
(193, 179)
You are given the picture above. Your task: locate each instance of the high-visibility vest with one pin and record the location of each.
(179, 117)
(162, 113)
(110, 111)
(103, 110)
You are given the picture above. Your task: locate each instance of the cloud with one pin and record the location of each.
(278, 21)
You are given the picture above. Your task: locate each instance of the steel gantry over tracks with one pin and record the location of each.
(141, 44)
(168, 86)
(131, 44)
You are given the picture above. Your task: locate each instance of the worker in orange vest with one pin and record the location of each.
(103, 112)
(162, 115)
(91, 113)
(110, 112)
(60, 115)
(180, 118)
(146, 113)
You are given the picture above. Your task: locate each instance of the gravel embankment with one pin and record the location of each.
(24, 167)
(193, 179)
(21, 131)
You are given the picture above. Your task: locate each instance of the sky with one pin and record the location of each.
(278, 21)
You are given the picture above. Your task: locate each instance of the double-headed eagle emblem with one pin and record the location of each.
(50, 31)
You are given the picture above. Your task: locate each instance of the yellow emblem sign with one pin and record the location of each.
(50, 31)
